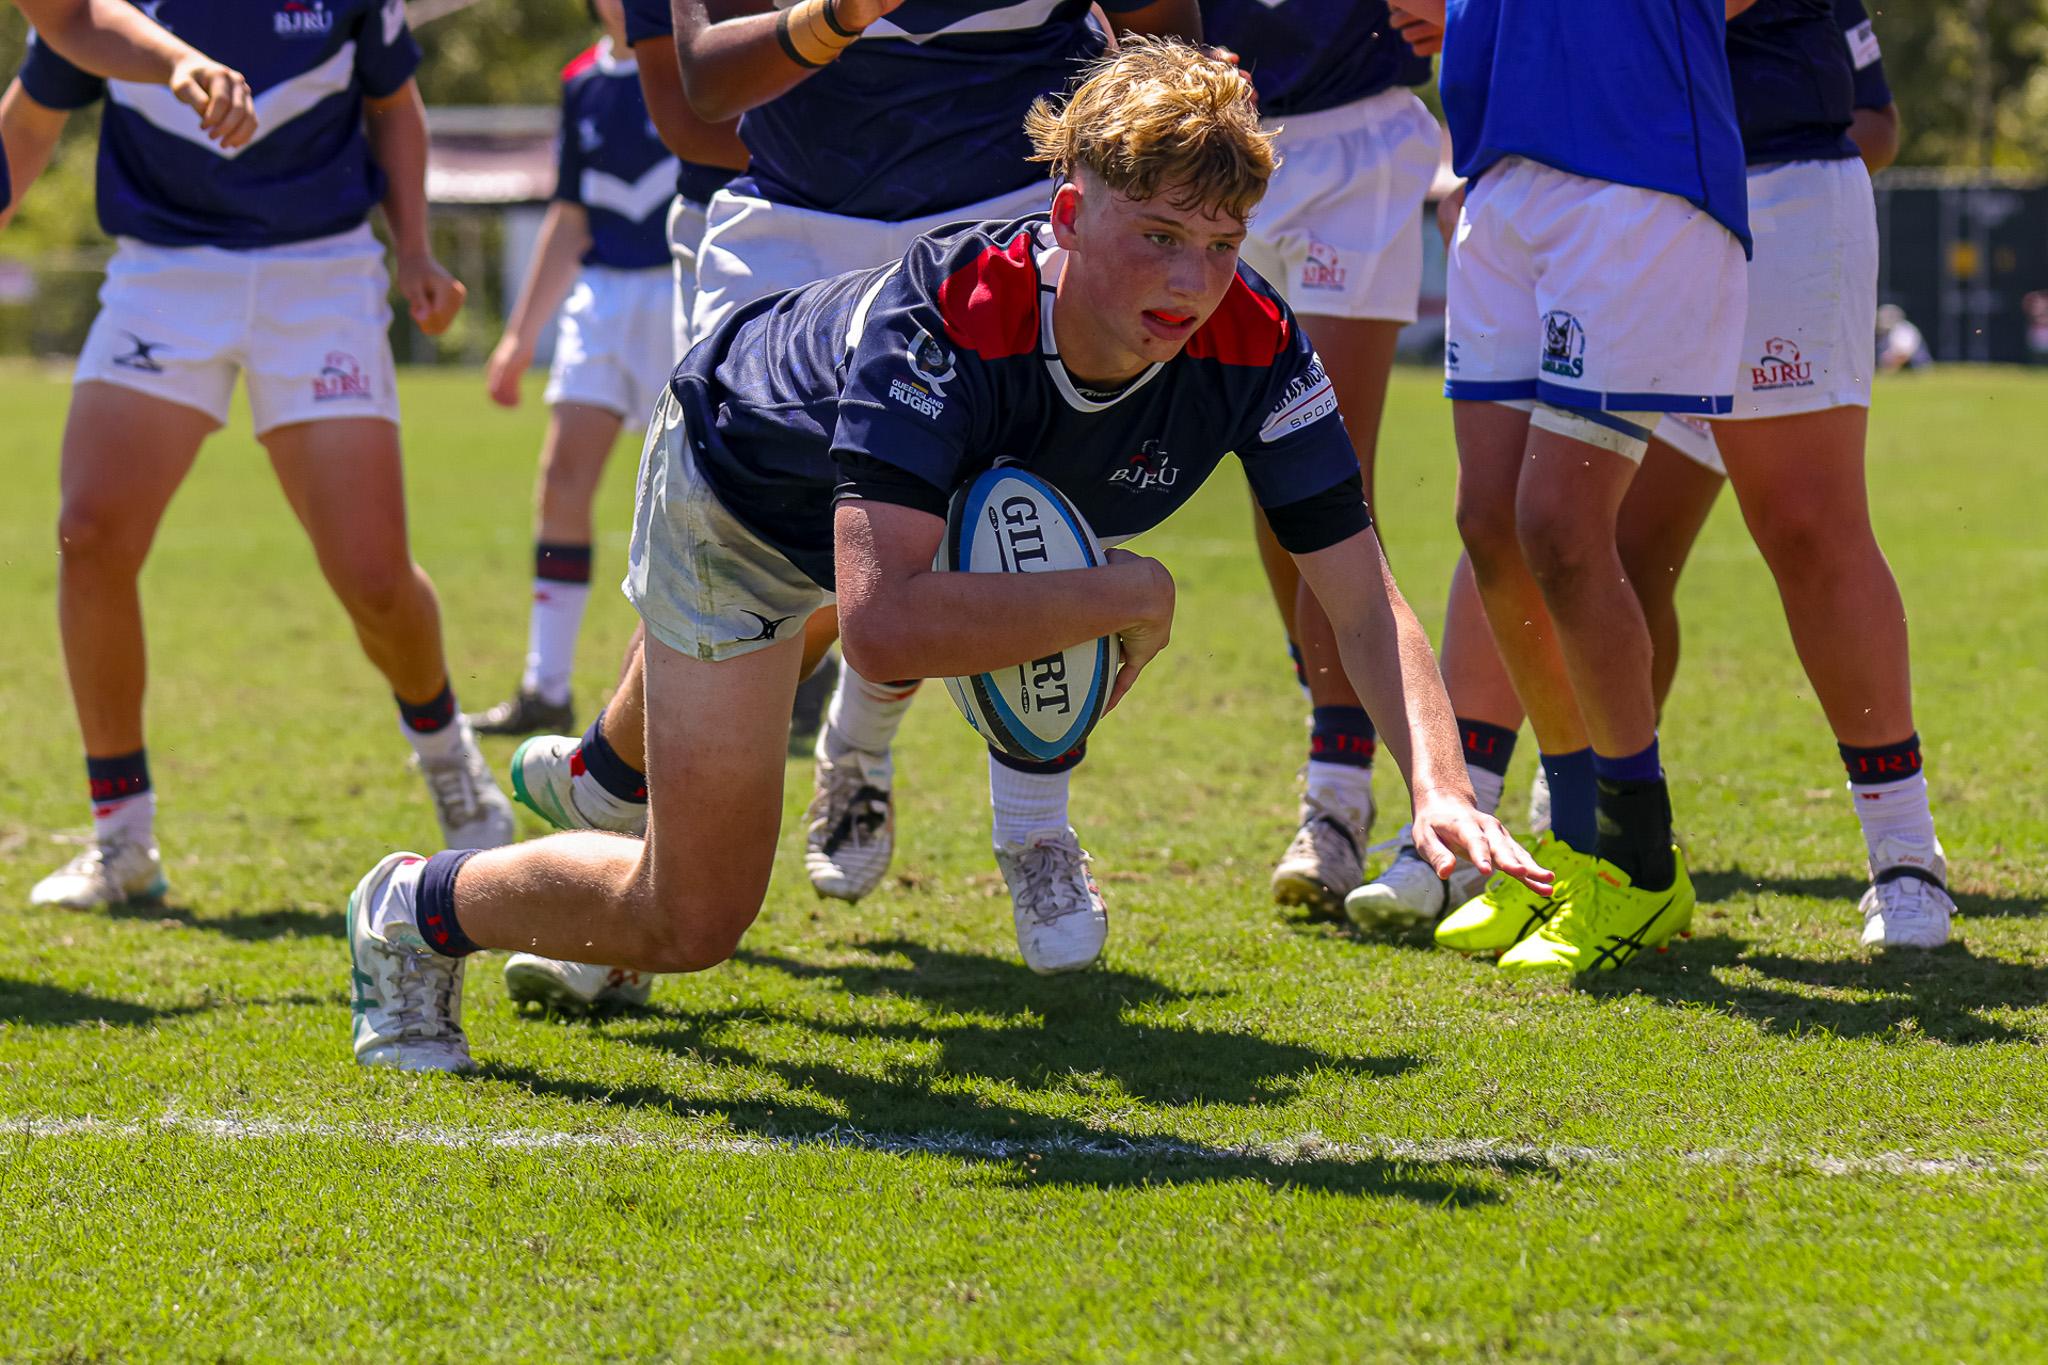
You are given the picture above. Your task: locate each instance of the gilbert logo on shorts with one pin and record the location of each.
(299, 19)
(340, 378)
(1780, 368)
(1564, 345)
(1322, 269)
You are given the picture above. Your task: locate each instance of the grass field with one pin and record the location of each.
(876, 1133)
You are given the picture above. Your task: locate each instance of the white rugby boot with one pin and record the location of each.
(1326, 860)
(1907, 904)
(544, 772)
(850, 827)
(113, 871)
(552, 985)
(1061, 919)
(472, 810)
(1409, 894)
(407, 998)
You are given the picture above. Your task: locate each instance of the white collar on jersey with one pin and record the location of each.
(1052, 261)
(612, 64)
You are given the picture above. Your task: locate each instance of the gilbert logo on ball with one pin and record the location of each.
(1011, 521)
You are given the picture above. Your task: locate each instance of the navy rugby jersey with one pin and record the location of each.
(1872, 90)
(923, 115)
(307, 173)
(1615, 90)
(903, 382)
(652, 19)
(1795, 89)
(1308, 55)
(611, 161)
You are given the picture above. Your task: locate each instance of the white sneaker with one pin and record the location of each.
(1325, 861)
(573, 987)
(1908, 904)
(850, 828)
(544, 781)
(1062, 922)
(1539, 804)
(407, 997)
(1409, 894)
(472, 811)
(110, 873)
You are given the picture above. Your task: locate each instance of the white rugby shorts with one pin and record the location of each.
(753, 247)
(1692, 437)
(1339, 232)
(307, 324)
(685, 235)
(1812, 290)
(1586, 294)
(613, 341)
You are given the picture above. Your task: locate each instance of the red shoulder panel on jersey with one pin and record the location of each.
(1247, 328)
(990, 305)
(581, 63)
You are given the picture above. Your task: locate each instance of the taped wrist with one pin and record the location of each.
(811, 34)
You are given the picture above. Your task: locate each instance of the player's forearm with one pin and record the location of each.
(30, 132)
(557, 254)
(682, 131)
(397, 129)
(1876, 135)
(732, 59)
(108, 38)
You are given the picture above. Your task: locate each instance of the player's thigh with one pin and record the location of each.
(717, 734)
(1662, 514)
(579, 442)
(1800, 478)
(1358, 355)
(1492, 441)
(124, 455)
(345, 480)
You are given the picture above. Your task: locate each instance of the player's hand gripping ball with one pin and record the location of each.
(1011, 521)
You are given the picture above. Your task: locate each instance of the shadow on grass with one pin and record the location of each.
(1948, 995)
(40, 1005)
(1733, 883)
(258, 926)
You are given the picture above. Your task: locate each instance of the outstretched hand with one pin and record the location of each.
(1448, 827)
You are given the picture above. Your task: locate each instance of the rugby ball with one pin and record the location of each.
(1011, 521)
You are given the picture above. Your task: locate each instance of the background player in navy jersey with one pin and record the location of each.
(1339, 234)
(262, 264)
(603, 247)
(858, 144)
(1597, 281)
(784, 466)
(122, 43)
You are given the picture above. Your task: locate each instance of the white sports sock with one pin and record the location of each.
(1341, 786)
(864, 715)
(1486, 789)
(128, 820)
(432, 744)
(1898, 827)
(599, 806)
(551, 638)
(399, 905)
(1026, 803)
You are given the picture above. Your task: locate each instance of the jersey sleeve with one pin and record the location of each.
(1872, 90)
(386, 52)
(910, 400)
(1299, 452)
(648, 19)
(568, 153)
(55, 83)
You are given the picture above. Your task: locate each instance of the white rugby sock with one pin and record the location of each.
(864, 715)
(1898, 827)
(399, 905)
(551, 638)
(1025, 804)
(1343, 787)
(127, 819)
(1487, 788)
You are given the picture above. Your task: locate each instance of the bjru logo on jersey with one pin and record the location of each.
(340, 378)
(932, 368)
(301, 20)
(1780, 368)
(1149, 468)
(1322, 269)
(1564, 345)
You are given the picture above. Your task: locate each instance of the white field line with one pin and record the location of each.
(1480, 1153)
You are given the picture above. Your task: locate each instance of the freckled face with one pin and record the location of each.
(1141, 276)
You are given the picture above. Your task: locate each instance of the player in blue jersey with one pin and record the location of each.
(809, 446)
(122, 43)
(603, 247)
(1340, 235)
(262, 264)
(1597, 281)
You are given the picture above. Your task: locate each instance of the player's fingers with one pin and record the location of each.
(1472, 841)
(1511, 858)
(1432, 850)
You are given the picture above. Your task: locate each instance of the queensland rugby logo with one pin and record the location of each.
(340, 378)
(1322, 269)
(1780, 368)
(931, 368)
(1564, 345)
(302, 20)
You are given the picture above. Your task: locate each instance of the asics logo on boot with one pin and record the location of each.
(1619, 948)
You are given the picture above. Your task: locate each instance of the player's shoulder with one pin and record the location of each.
(1252, 325)
(582, 66)
(983, 278)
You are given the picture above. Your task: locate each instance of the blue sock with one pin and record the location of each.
(1636, 767)
(434, 904)
(1573, 795)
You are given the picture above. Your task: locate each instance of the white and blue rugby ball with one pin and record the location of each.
(1011, 521)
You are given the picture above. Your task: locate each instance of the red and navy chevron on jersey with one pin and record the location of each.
(1309, 55)
(307, 173)
(936, 367)
(611, 161)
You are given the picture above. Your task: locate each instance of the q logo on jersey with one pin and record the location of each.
(1564, 345)
(932, 368)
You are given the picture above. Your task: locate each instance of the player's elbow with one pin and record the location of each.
(710, 94)
(877, 642)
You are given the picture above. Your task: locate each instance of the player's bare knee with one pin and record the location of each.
(88, 534)
(1486, 524)
(375, 589)
(1557, 544)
